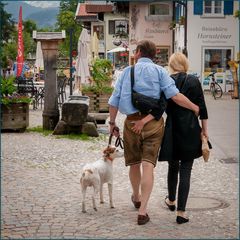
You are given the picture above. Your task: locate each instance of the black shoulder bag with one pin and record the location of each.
(145, 104)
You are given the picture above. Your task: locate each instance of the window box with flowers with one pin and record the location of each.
(182, 20)
(172, 25)
(237, 14)
(14, 107)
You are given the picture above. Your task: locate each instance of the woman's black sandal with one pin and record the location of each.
(181, 220)
(171, 207)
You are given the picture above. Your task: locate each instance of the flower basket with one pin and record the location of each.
(98, 101)
(14, 107)
(172, 25)
(237, 14)
(15, 116)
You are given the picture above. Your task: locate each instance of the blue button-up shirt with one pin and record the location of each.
(149, 79)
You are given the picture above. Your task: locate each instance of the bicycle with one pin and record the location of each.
(215, 88)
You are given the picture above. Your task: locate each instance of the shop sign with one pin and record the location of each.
(214, 35)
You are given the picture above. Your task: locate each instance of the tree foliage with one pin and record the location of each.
(65, 21)
(7, 24)
(70, 5)
(29, 26)
(29, 44)
(7, 29)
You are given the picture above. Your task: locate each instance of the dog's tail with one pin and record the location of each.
(87, 175)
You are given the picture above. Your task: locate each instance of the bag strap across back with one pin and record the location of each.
(132, 77)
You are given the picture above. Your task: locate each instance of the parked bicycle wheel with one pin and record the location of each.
(216, 90)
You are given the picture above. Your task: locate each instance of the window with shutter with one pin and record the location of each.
(111, 27)
(162, 9)
(177, 13)
(228, 7)
(213, 8)
(198, 7)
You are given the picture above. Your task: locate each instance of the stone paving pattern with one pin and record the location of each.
(41, 195)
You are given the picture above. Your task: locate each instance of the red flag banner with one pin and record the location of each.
(20, 57)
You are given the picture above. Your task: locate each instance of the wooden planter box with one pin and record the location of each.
(98, 102)
(15, 116)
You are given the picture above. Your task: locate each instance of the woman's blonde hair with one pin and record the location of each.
(178, 62)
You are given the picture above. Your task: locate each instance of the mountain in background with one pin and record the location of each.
(44, 17)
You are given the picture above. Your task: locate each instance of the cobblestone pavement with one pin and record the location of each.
(41, 197)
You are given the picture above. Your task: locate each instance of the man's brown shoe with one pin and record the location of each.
(143, 219)
(135, 203)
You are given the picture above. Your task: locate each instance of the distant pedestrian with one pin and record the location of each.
(182, 138)
(142, 134)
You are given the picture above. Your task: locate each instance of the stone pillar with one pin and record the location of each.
(50, 42)
(50, 111)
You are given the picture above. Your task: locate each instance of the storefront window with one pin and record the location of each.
(213, 7)
(162, 56)
(216, 60)
(159, 9)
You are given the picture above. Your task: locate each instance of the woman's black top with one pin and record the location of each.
(182, 130)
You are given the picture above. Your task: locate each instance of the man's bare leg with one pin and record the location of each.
(146, 186)
(135, 179)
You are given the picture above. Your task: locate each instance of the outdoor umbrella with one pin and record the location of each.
(82, 68)
(95, 45)
(118, 49)
(39, 57)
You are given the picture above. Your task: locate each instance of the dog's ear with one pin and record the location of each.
(105, 150)
(111, 149)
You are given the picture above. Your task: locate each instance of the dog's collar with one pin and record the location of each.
(108, 158)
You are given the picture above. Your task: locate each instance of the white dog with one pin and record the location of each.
(97, 173)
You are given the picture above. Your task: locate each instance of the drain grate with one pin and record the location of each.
(196, 203)
(229, 160)
(206, 203)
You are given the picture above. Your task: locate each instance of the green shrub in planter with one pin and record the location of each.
(14, 107)
(101, 73)
(8, 92)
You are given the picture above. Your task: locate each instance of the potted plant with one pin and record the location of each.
(237, 14)
(14, 107)
(182, 20)
(100, 90)
(172, 25)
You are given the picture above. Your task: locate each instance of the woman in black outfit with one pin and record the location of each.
(182, 138)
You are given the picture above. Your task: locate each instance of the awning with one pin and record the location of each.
(118, 49)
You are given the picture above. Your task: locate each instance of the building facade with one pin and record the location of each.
(150, 21)
(104, 24)
(206, 29)
(212, 39)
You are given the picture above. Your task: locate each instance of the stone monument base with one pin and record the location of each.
(75, 118)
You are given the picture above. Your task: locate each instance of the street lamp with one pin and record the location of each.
(120, 34)
(120, 29)
(70, 60)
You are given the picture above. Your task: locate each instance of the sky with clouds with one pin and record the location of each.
(44, 4)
